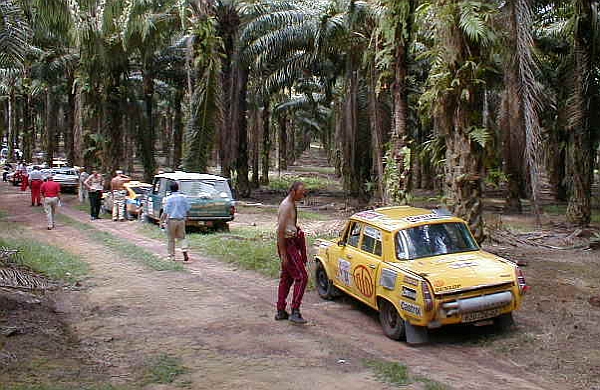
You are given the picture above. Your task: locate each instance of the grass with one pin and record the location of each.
(397, 374)
(250, 248)
(125, 249)
(85, 207)
(303, 215)
(311, 183)
(45, 259)
(164, 369)
(311, 169)
(561, 209)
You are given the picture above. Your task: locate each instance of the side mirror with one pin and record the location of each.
(341, 243)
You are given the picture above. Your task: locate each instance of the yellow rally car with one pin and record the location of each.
(421, 269)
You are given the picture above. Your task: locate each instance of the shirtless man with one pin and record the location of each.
(119, 194)
(291, 247)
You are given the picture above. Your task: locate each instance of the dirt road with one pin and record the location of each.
(218, 320)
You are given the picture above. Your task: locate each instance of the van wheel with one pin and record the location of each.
(325, 287)
(391, 322)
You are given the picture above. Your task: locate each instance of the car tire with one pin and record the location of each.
(391, 322)
(325, 287)
(221, 226)
(504, 322)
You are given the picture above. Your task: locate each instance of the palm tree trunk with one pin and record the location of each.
(283, 142)
(177, 129)
(11, 124)
(266, 143)
(239, 116)
(580, 152)
(148, 136)
(70, 126)
(255, 128)
(51, 121)
(113, 126)
(376, 127)
(399, 135)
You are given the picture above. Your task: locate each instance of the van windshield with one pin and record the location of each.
(214, 189)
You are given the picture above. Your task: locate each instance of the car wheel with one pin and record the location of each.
(221, 226)
(325, 287)
(504, 322)
(391, 322)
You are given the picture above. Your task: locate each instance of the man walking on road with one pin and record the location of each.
(95, 186)
(291, 247)
(35, 183)
(118, 195)
(51, 194)
(175, 212)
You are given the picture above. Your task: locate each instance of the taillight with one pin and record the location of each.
(523, 287)
(427, 297)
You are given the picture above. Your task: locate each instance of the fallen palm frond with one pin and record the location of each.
(15, 278)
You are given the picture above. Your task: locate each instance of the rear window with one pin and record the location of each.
(436, 239)
(214, 189)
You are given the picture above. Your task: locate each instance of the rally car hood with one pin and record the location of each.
(462, 271)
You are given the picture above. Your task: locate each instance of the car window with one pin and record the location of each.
(438, 239)
(215, 189)
(156, 187)
(140, 190)
(371, 241)
(354, 235)
(164, 185)
(400, 248)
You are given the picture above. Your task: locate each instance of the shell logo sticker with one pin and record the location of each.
(438, 283)
(363, 281)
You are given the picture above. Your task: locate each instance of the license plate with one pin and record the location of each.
(480, 315)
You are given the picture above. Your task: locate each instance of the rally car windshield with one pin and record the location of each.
(433, 240)
(205, 188)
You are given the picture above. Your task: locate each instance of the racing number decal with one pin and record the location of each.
(344, 272)
(363, 280)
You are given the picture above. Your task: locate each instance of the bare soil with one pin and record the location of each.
(219, 321)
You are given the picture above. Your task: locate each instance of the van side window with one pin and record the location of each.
(371, 241)
(354, 235)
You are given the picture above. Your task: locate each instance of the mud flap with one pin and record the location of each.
(416, 334)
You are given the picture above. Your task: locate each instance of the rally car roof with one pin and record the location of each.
(401, 217)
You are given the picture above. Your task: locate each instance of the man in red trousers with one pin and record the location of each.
(35, 183)
(291, 247)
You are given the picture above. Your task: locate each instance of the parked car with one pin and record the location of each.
(210, 197)
(137, 193)
(421, 270)
(66, 177)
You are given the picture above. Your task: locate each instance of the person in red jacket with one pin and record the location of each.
(51, 195)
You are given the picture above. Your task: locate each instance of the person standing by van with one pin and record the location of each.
(95, 186)
(83, 192)
(119, 195)
(175, 213)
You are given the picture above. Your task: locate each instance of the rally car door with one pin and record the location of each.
(347, 252)
(365, 266)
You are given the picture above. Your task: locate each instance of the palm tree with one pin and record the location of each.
(462, 37)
